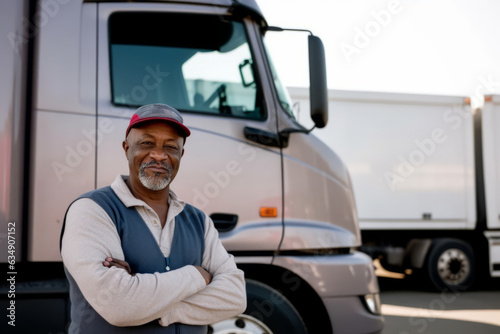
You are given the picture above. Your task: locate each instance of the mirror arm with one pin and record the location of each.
(285, 134)
(273, 28)
(290, 130)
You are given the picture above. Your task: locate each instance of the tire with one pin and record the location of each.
(450, 265)
(267, 312)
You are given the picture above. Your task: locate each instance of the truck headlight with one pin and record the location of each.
(372, 303)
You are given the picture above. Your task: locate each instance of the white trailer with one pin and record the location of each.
(425, 171)
(488, 120)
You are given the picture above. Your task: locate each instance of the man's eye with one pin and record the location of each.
(146, 143)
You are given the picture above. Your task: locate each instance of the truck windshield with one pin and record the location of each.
(195, 63)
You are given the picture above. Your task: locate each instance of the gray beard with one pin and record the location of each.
(157, 181)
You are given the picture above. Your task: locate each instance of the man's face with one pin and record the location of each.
(154, 152)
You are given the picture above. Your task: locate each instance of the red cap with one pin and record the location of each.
(159, 112)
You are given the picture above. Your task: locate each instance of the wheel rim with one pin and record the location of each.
(453, 266)
(241, 324)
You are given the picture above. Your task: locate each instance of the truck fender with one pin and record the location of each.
(416, 252)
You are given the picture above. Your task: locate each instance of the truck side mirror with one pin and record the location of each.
(318, 90)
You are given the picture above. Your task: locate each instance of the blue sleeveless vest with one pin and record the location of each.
(143, 254)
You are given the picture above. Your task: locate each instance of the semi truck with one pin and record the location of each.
(426, 176)
(74, 72)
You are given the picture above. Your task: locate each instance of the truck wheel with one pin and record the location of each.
(268, 312)
(450, 264)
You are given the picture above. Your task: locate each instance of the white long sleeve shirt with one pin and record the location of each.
(176, 296)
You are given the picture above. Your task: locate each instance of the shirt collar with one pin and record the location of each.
(125, 195)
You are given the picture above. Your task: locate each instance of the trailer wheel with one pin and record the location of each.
(450, 264)
(268, 312)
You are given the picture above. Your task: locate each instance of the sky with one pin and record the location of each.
(439, 47)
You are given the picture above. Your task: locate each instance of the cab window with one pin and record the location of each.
(195, 63)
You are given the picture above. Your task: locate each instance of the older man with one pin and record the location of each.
(138, 258)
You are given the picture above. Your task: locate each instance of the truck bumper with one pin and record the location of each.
(341, 281)
(349, 315)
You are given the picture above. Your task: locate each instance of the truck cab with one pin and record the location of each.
(280, 198)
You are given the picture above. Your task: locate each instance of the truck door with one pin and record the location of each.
(201, 62)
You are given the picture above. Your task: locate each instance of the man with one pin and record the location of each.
(139, 259)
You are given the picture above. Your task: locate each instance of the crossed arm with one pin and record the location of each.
(190, 295)
(111, 262)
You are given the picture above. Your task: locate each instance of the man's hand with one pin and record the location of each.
(112, 262)
(206, 275)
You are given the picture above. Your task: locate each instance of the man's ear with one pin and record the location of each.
(181, 144)
(125, 148)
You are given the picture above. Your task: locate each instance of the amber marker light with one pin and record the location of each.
(268, 212)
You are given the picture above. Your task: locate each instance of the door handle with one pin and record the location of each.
(265, 137)
(224, 222)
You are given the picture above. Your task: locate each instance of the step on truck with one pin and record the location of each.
(426, 176)
(73, 73)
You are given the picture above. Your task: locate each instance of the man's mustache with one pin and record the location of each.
(155, 163)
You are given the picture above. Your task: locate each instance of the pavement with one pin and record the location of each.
(411, 308)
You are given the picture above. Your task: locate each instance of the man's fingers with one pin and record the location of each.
(116, 261)
(117, 264)
(206, 275)
(112, 262)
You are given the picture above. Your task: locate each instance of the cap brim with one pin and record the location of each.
(182, 129)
